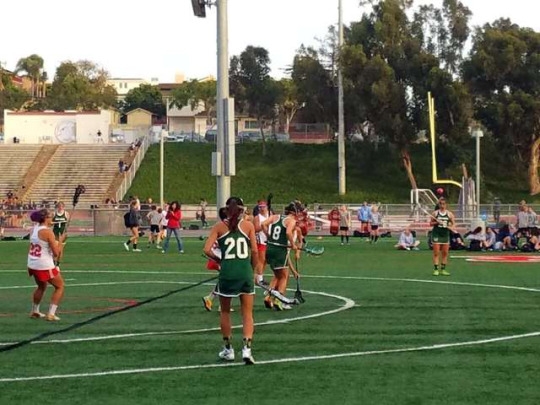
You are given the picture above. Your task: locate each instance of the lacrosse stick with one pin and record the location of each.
(298, 293)
(270, 291)
(80, 189)
(315, 250)
(425, 211)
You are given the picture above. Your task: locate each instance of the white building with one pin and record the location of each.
(124, 85)
(81, 127)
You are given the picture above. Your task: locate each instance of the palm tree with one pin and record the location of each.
(33, 66)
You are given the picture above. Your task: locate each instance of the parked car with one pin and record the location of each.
(117, 138)
(283, 137)
(194, 138)
(173, 138)
(211, 135)
(249, 136)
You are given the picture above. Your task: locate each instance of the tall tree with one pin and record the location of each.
(33, 66)
(289, 102)
(255, 92)
(315, 87)
(80, 85)
(147, 97)
(195, 93)
(387, 74)
(502, 73)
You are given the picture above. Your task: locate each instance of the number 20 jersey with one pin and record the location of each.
(235, 254)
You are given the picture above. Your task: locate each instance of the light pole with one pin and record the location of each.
(223, 160)
(163, 133)
(341, 113)
(477, 133)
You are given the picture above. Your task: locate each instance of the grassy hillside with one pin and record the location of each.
(309, 172)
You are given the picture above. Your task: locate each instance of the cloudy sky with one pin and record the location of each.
(159, 38)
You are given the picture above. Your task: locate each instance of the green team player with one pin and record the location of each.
(238, 246)
(281, 238)
(442, 221)
(60, 220)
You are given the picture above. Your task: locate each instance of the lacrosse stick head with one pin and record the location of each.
(80, 189)
(298, 296)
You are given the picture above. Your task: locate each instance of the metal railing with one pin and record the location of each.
(104, 221)
(130, 174)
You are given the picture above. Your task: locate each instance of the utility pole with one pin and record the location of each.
(223, 159)
(341, 112)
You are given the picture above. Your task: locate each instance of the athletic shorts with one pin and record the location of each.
(154, 229)
(44, 275)
(374, 227)
(58, 232)
(343, 228)
(277, 257)
(261, 247)
(239, 281)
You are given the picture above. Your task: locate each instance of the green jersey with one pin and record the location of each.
(277, 252)
(277, 232)
(441, 232)
(60, 221)
(236, 274)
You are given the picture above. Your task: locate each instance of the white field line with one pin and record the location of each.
(348, 303)
(308, 358)
(273, 361)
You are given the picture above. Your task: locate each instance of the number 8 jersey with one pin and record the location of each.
(40, 256)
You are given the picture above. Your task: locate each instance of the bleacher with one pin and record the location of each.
(94, 166)
(15, 160)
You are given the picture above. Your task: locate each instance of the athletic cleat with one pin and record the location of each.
(435, 272)
(158, 247)
(207, 303)
(181, 252)
(227, 354)
(51, 318)
(263, 284)
(247, 357)
(36, 315)
(137, 250)
(444, 273)
(415, 248)
(268, 302)
(126, 246)
(285, 306)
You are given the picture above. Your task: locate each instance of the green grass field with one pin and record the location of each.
(376, 328)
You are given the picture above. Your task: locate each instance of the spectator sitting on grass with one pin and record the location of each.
(475, 238)
(407, 241)
(491, 238)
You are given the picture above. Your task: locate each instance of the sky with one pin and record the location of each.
(139, 39)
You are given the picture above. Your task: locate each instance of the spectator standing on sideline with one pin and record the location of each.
(132, 222)
(174, 216)
(120, 166)
(344, 223)
(363, 217)
(497, 210)
(375, 220)
(407, 241)
(154, 218)
(202, 212)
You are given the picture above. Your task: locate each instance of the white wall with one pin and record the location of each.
(56, 127)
